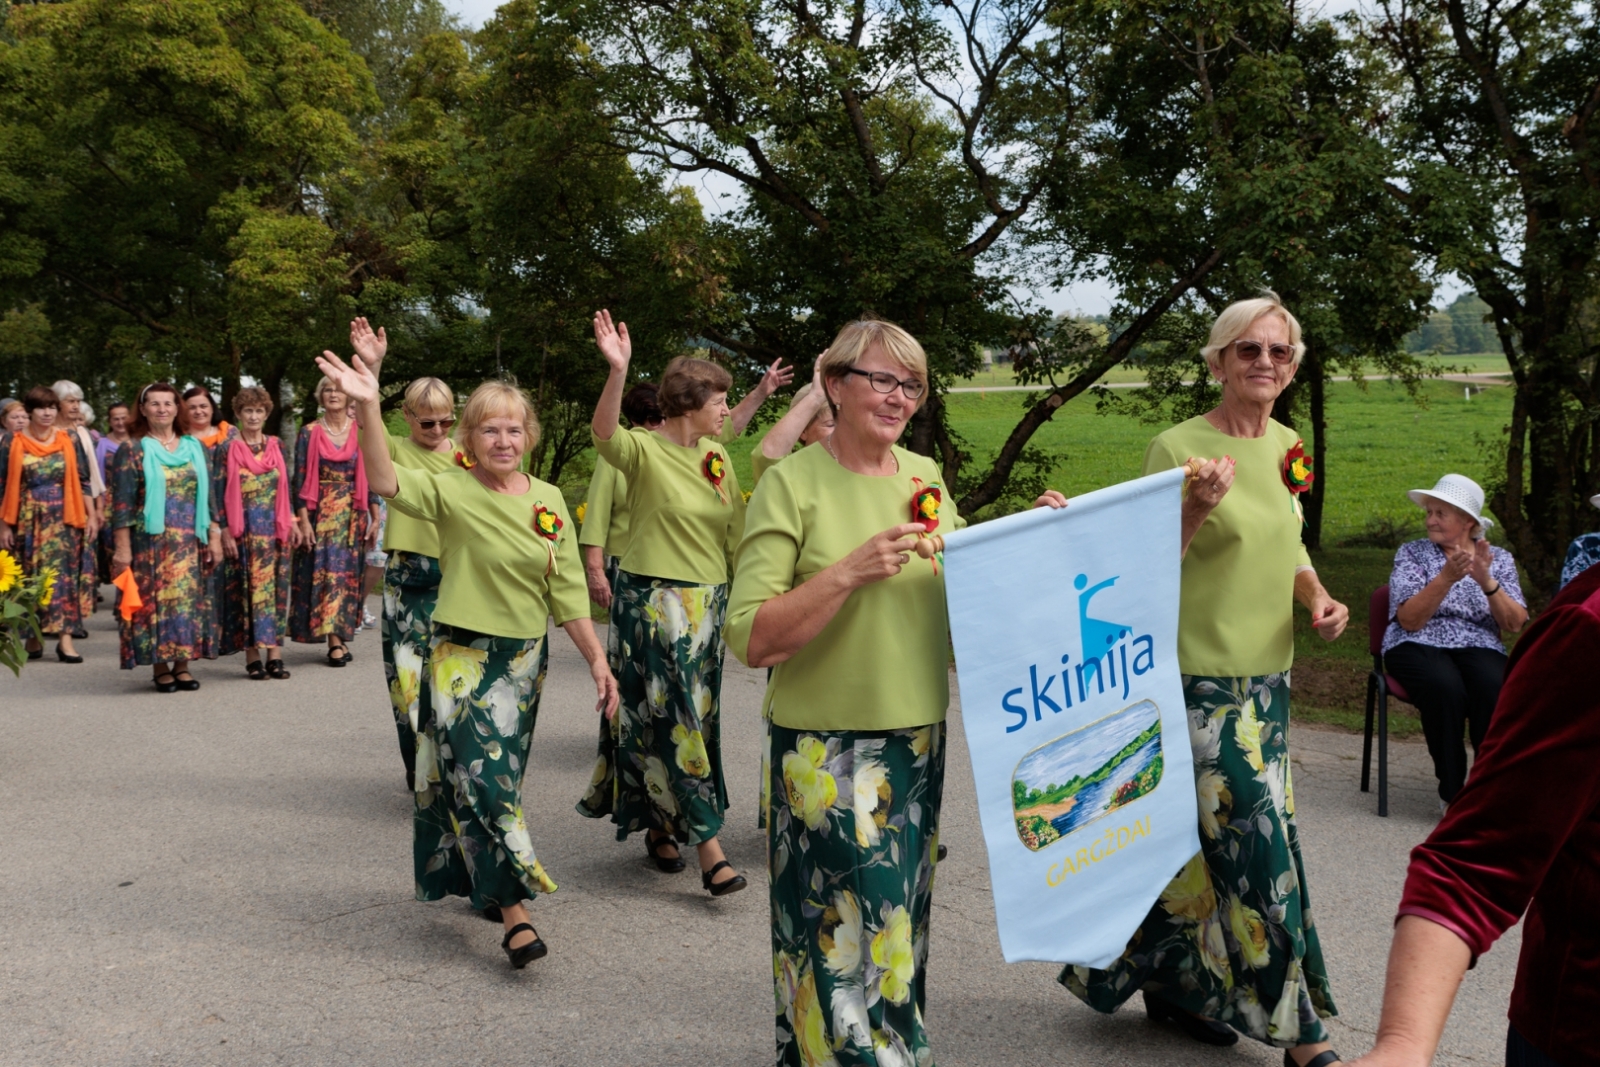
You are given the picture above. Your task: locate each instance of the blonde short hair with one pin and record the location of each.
(429, 395)
(493, 400)
(853, 341)
(1238, 316)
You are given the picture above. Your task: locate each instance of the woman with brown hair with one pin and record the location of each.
(660, 763)
(334, 509)
(161, 516)
(258, 535)
(47, 515)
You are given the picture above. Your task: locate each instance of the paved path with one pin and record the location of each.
(223, 877)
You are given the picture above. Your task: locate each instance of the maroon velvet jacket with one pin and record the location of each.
(1525, 832)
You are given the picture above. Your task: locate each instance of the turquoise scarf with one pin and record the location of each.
(156, 457)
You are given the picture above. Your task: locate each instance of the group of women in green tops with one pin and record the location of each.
(816, 579)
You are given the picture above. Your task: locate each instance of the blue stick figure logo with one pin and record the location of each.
(1097, 635)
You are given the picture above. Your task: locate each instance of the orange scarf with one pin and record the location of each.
(218, 432)
(11, 507)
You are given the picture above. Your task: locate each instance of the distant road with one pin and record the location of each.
(1493, 377)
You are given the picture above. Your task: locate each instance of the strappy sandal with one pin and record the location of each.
(342, 660)
(276, 669)
(168, 686)
(722, 889)
(669, 864)
(1321, 1059)
(523, 955)
(254, 669)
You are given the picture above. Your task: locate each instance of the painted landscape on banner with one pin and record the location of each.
(1065, 628)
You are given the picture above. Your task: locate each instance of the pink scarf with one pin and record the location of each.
(240, 457)
(321, 448)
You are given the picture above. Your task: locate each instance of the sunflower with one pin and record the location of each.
(10, 571)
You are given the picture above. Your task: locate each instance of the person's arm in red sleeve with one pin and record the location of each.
(1476, 873)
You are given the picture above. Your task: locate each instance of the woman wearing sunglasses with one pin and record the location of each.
(411, 572)
(1230, 947)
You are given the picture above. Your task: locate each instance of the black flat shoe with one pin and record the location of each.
(255, 670)
(168, 686)
(80, 634)
(37, 653)
(189, 684)
(523, 955)
(1321, 1059)
(276, 669)
(669, 864)
(722, 889)
(492, 913)
(1203, 1030)
(64, 658)
(338, 661)
(944, 853)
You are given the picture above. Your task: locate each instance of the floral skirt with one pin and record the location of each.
(852, 840)
(253, 595)
(469, 838)
(44, 542)
(660, 759)
(178, 620)
(410, 590)
(1232, 937)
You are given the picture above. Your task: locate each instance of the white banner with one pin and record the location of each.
(1065, 625)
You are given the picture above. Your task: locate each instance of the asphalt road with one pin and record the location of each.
(224, 877)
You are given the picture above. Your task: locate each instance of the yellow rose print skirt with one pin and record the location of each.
(1232, 938)
(469, 838)
(852, 835)
(659, 763)
(410, 591)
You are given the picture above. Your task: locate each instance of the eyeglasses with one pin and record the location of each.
(884, 382)
(443, 424)
(1250, 351)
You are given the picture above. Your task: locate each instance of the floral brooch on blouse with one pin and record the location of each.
(715, 470)
(463, 462)
(1298, 476)
(925, 503)
(547, 524)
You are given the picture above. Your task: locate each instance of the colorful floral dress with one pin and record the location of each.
(660, 760)
(44, 541)
(89, 557)
(178, 620)
(326, 597)
(253, 590)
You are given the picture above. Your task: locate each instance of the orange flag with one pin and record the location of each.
(131, 601)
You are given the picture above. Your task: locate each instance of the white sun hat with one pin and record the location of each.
(1459, 491)
(1595, 500)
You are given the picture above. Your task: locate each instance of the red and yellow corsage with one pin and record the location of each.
(547, 524)
(463, 462)
(715, 469)
(925, 501)
(1298, 476)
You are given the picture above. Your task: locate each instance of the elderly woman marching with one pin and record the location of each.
(604, 537)
(72, 418)
(200, 422)
(161, 517)
(660, 763)
(860, 652)
(513, 566)
(47, 514)
(1231, 946)
(259, 534)
(333, 505)
(411, 572)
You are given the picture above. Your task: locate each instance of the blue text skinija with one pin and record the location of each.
(1104, 662)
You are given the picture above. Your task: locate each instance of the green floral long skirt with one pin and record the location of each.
(1232, 937)
(660, 758)
(469, 838)
(852, 837)
(410, 590)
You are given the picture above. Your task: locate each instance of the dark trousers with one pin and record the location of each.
(1519, 1053)
(1452, 688)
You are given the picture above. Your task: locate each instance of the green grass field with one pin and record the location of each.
(1000, 374)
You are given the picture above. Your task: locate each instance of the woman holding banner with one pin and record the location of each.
(859, 646)
(1230, 946)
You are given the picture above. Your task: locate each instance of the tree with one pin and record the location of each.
(164, 172)
(1496, 125)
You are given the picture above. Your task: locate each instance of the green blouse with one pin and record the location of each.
(605, 518)
(1236, 615)
(402, 533)
(760, 464)
(679, 526)
(881, 663)
(498, 576)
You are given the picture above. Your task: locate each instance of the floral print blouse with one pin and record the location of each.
(1583, 553)
(1463, 619)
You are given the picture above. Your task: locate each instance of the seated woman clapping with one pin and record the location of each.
(1450, 596)
(513, 564)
